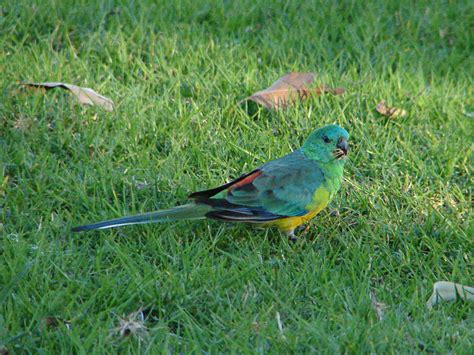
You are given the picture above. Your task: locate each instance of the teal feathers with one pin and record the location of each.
(286, 191)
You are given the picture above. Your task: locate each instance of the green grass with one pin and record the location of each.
(176, 73)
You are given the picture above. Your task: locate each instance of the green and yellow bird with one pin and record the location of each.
(285, 192)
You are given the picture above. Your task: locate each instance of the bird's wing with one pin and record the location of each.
(280, 188)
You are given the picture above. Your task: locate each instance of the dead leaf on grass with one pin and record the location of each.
(86, 96)
(133, 325)
(449, 291)
(392, 112)
(377, 306)
(288, 89)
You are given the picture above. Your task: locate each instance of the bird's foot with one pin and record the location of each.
(291, 235)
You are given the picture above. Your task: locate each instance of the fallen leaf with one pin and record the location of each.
(288, 89)
(133, 325)
(377, 306)
(391, 112)
(86, 96)
(449, 291)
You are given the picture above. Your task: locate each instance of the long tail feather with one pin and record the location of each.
(189, 211)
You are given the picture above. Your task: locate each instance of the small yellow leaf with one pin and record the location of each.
(391, 112)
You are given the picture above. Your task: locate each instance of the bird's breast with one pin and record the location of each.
(321, 198)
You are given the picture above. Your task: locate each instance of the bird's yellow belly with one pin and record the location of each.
(289, 223)
(321, 199)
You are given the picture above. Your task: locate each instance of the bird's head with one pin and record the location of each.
(327, 144)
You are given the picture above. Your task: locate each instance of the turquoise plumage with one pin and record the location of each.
(285, 192)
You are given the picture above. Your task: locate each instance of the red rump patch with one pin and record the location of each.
(246, 180)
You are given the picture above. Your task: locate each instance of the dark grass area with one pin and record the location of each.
(176, 72)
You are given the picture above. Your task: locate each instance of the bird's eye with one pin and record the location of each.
(326, 139)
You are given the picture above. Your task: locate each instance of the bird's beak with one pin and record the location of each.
(342, 148)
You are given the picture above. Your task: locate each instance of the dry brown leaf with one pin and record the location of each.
(392, 112)
(86, 96)
(449, 291)
(288, 89)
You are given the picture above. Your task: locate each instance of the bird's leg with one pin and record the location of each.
(305, 230)
(291, 235)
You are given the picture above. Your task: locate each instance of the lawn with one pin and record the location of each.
(176, 72)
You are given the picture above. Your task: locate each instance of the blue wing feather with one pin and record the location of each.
(280, 188)
(285, 186)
